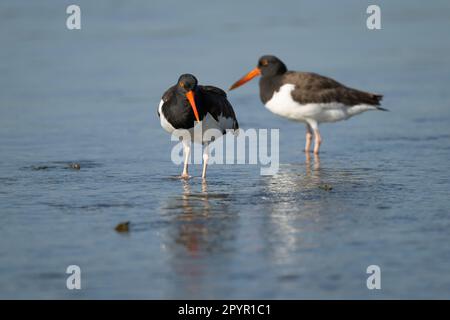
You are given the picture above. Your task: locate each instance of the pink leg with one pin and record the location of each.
(205, 161)
(187, 150)
(317, 142)
(309, 136)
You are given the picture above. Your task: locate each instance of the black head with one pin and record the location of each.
(187, 82)
(271, 65)
(268, 66)
(187, 85)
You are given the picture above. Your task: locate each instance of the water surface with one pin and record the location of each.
(90, 97)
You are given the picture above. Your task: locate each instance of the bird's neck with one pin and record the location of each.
(268, 85)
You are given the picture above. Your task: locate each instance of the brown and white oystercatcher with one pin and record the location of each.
(187, 105)
(307, 97)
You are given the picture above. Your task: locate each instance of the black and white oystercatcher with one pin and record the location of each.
(307, 97)
(187, 105)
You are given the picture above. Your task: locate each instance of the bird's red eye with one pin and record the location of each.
(264, 62)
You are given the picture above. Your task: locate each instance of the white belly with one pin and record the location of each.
(164, 123)
(284, 105)
(207, 123)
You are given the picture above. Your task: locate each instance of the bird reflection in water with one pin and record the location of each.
(200, 236)
(295, 179)
(315, 165)
(196, 210)
(294, 208)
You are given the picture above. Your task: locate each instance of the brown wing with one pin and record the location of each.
(314, 88)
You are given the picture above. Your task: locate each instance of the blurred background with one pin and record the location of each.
(90, 96)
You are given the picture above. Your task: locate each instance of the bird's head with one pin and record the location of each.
(187, 85)
(267, 66)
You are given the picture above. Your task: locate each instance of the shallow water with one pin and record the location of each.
(90, 97)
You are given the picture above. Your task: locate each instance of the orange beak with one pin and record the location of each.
(249, 76)
(190, 97)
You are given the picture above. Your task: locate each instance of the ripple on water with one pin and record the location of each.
(62, 165)
(89, 207)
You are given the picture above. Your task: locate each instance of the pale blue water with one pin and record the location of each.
(90, 96)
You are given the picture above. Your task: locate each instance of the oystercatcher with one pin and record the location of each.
(307, 97)
(187, 105)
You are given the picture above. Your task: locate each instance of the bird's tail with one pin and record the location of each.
(376, 99)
